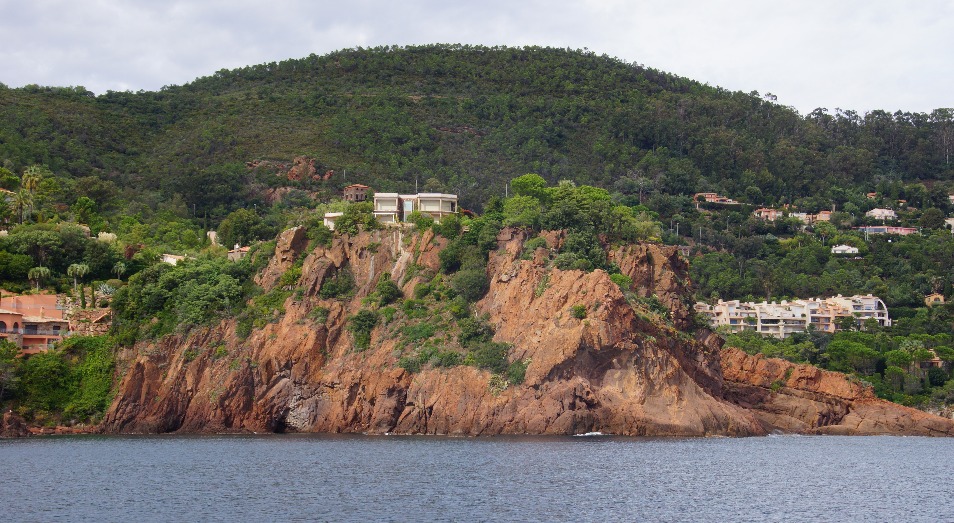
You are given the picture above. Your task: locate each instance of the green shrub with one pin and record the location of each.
(388, 314)
(319, 234)
(290, 277)
(410, 364)
(414, 309)
(421, 291)
(419, 332)
(625, 282)
(517, 372)
(532, 245)
(578, 311)
(473, 331)
(421, 221)
(490, 355)
(471, 284)
(220, 351)
(450, 227)
(388, 291)
(447, 359)
(361, 325)
(340, 285)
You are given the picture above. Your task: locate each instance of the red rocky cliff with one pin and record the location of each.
(619, 370)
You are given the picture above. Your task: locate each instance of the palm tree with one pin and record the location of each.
(38, 274)
(77, 271)
(119, 269)
(29, 183)
(22, 200)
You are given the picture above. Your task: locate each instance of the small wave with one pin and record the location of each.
(590, 434)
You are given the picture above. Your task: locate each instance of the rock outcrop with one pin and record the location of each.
(618, 369)
(13, 426)
(791, 398)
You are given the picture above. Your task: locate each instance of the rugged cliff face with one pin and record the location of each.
(619, 370)
(803, 399)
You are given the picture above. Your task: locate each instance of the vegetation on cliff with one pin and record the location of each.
(72, 384)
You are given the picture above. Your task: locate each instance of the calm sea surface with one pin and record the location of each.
(392, 478)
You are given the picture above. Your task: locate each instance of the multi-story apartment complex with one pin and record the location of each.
(782, 319)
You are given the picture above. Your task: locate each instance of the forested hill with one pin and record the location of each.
(463, 119)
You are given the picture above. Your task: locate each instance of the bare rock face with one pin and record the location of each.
(616, 370)
(13, 426)
(788, 397)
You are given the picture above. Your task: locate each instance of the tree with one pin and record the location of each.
(77, 271)
(532, 185)
(825, 230)
(119, 269)
(22, 200)
(932, 218)
(9, 365)
(38, 274)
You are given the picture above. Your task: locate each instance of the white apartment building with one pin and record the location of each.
(782, 319)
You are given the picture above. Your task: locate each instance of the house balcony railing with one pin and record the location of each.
(37, 332)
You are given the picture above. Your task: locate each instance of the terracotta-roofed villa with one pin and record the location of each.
(32, 322)
(356, 192)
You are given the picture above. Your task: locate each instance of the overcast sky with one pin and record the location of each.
(848, 54)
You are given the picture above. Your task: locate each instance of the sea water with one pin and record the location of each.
(404, 478)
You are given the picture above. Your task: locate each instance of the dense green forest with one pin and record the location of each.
(98, 187)
(467, 119)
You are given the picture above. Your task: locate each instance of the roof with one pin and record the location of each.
(357, 186)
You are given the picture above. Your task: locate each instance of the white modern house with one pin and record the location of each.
(782, 319)
(844, 249)
(331, 218)
(395, 208)
(882, 214)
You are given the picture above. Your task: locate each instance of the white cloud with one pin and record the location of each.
(851, 54)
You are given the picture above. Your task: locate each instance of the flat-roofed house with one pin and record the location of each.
(331, 218)
(387, 207)
(844, 249)
(395, 208)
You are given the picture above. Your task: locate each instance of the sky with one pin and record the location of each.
(856, 55)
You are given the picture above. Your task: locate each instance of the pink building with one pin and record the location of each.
(33, 322)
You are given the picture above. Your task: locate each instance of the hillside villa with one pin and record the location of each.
(33, 322)
(770, 214)
(356, 192)
(394, 208)
(886, 229)
(711, 197)
(844, 249)
(934, 299)
(882, 214)
(785, 318)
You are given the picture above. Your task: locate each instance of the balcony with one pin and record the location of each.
(35, 332)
